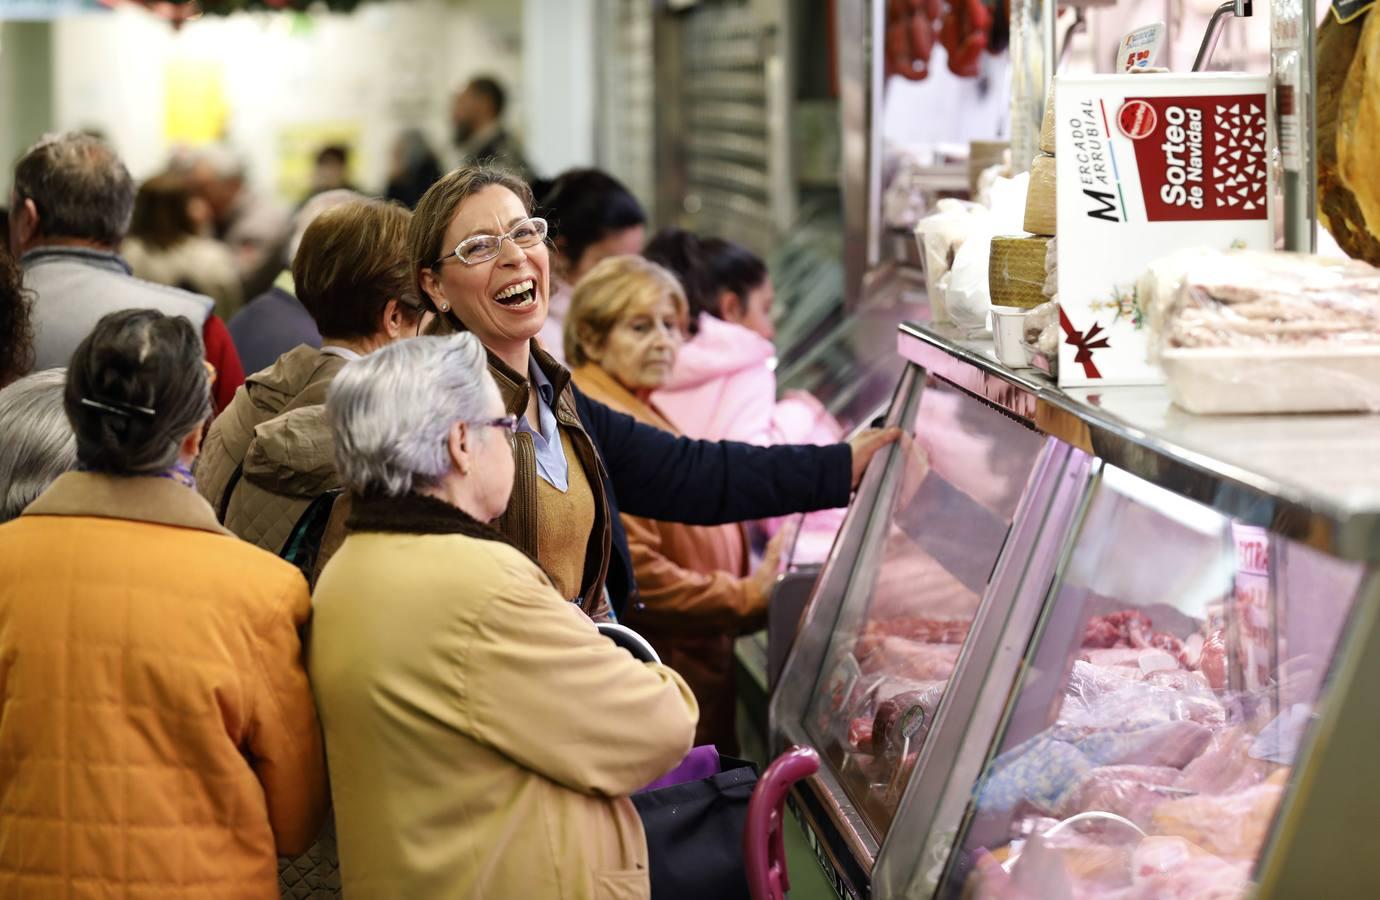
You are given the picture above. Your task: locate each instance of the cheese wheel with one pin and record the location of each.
(1016, 270)
(982, 155)
(1039, 203)
(1047, 126)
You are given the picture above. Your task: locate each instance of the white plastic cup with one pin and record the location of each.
(1008, 334)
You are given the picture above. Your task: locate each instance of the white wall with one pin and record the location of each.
(386, 66)
(560, 72)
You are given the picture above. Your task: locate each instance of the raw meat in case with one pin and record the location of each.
(1230, 825)
(903, 658)
(1129, 791)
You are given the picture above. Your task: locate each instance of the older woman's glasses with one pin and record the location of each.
(484, 247)
(507, 423)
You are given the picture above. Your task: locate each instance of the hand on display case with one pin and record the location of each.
(866, 444)
(766, 572)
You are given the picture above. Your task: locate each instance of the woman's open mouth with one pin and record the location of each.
(518, 296)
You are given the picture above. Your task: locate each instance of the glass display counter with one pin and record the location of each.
(1084, 645)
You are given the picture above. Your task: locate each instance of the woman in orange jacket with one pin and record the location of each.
(626, 319)
(157, 733)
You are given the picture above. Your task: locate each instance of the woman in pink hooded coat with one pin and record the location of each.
(724, 384)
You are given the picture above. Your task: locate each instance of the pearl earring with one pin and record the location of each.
(445, 307)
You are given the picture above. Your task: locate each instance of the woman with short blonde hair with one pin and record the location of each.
(606, 295)
(626, 323)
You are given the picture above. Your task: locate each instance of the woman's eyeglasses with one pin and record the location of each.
(507, 423)
(484, 247)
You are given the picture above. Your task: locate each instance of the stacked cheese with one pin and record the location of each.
(1039, 204)
(1018, 269)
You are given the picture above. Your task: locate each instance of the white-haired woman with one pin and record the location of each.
(39, 444)
(482, 737)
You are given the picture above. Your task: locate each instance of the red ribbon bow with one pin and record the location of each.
(1085, 342)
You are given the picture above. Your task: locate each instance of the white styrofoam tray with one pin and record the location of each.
(1274, 380)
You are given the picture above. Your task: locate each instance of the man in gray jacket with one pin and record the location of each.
(69, 210)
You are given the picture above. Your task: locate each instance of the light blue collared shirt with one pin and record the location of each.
(551, 462)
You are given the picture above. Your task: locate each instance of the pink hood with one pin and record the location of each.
(552, 334)
(724, 388)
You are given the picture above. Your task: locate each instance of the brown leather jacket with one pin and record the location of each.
(519, 522)
(692, 581)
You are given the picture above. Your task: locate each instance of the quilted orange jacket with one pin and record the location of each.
(157, 732)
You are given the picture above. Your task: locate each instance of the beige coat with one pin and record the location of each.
(157, 734)
(482, 736)
(275, 433)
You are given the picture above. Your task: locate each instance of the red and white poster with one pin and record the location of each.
(1146, 165)
(1252, 609)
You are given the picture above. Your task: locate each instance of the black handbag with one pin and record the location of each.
(695, 834)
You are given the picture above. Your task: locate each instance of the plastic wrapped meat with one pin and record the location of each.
(1173, 744)
(1230, 825)
(908, 714)
(1127, 657)
(859, 708)
(1129, 791)
(914, 628)
(1038, 772)
(1170, 867)
(1244, 299)
(1068, 865)
(1132, 705)
(1180, 680)
(903, 658)
(1225, 766)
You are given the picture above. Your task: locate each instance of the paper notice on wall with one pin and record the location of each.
(195, 110)
(298, 145)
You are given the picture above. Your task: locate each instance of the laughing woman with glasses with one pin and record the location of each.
(483, 265)
(453, 680)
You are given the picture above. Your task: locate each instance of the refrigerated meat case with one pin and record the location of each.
(1081, 644)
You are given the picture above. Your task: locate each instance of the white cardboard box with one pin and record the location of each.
(1146, 165)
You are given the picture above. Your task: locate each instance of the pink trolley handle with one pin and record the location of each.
(764, 849)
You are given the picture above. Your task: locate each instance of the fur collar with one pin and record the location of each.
(418, 514)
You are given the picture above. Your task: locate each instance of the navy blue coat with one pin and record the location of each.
(657, 475)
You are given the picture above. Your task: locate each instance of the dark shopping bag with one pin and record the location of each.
(695, 834)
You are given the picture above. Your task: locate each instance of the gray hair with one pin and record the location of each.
(79, 186)
(390, 412)
(220, 160)
(39, 444)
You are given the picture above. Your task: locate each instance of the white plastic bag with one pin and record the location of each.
(940, 235)
(969, 297)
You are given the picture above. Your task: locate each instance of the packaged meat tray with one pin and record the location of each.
(1243, 332)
